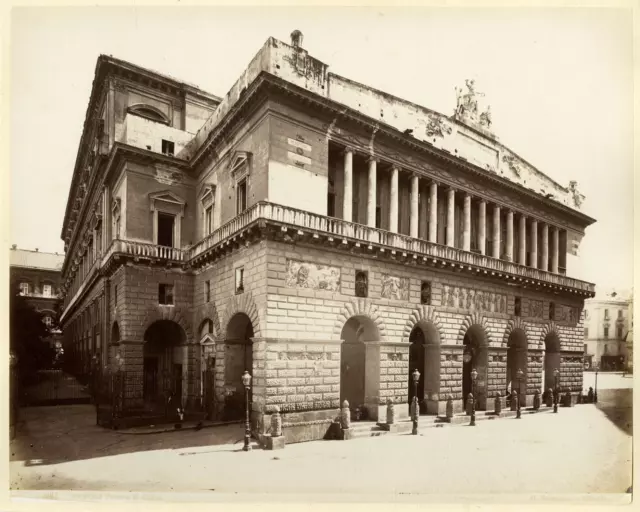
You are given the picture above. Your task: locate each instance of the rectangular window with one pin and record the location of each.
(552, 311)
(425, 293)
(240, 280)
(167, 147)
(165, 294)
(241, 199)
(620, 314)
(24, 288)
(46, 290)
(362, 283)
(606, 332)
(207, 291)
(165, 229)
(517, 307)
(208, 220)
(606, 314)
(619, 332)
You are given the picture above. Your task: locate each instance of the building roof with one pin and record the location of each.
(36, 259)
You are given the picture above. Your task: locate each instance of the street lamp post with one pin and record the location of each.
(556, 374)
(416, 378)
(595, 392)
(474, 376)
(519, 377)
(246, 381)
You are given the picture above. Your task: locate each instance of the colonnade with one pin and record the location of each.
(546, 257)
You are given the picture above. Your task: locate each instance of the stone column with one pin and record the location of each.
(466, 230)
(509, 244)
(522, 249)
(451, 201)
(534, 244)
(371, 199)
(433, 212)
(555, 249)
(482, 225)
(393, 205)
(496, 231)
(347, 198)
(413, 221)
(545, 247)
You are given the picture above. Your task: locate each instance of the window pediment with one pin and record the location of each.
(240, 164)
(167, 201)
(208, 194)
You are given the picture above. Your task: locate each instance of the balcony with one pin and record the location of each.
(142, 250)
(382, 240)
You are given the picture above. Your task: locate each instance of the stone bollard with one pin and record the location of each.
(549, 402)
(391, 412)
(567, 399)
(579, 401)
(469, 404)
(449, 410)
(590, 395)
(536, 400)
(497, 404)
(345, 421)
(276, 440)
(514, 400)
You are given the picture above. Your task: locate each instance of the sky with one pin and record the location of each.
(559, 82)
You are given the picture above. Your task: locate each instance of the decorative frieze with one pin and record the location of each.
(536, 309)
(473, 300)
(302, 274)
(394, 287)
(304, 356)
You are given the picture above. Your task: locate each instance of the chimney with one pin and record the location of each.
(14, 247)
(296, 39)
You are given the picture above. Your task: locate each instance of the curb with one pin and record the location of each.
(162, 430)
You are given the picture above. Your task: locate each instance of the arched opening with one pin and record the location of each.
(551, 360)
(475, 356)
(238, 357)
(356, 384)
(207, 366)
(424, 355)
(163, 362)
(517, 360)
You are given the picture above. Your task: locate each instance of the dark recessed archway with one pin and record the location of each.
(551, 360)
(238, 358)
(517, 357)
(424, 355)
(475, 355)
(355, 384)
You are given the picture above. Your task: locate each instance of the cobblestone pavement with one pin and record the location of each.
(583, 449)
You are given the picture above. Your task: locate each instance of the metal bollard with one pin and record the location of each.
(497, 404)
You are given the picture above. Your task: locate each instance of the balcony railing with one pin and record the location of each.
(146, 250)
(344, 229)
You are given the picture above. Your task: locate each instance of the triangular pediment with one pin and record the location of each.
(166, 196)
(208, 193)
(240, 160)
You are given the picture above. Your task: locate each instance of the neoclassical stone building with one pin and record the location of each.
(326, 236)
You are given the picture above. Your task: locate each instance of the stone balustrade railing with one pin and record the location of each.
(365, 234)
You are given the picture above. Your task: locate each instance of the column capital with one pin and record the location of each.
(415, 175)
(348, 149)
(373, 159)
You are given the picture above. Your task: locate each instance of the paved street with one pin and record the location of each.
(579, 450)
(607, 380)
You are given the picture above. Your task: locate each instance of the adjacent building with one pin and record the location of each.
(38, 275)
(606, 327)
(326, 236)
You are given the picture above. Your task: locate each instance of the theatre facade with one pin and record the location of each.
(325, 236)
